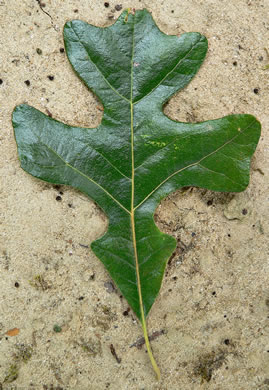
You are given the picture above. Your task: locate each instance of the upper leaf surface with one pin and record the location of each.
(137, 155)
(133, 58)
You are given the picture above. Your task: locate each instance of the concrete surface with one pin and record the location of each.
(214, 302)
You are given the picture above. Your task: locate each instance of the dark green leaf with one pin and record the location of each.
(137, 155)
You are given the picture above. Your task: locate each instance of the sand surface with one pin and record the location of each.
(213, 309)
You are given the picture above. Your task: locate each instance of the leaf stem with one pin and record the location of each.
(153, 362)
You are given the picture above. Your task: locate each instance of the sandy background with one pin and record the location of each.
(214, 304)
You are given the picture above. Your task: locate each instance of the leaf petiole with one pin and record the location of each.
(153, 361)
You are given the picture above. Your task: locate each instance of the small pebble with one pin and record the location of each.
(51, 78)
(27, 82)
(109, 287)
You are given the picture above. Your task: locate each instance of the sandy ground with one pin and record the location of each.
(213, 309)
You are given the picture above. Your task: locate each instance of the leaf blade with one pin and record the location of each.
(133, 141)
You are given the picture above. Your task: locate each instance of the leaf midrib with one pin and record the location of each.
(132, 213)
(132, 218)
